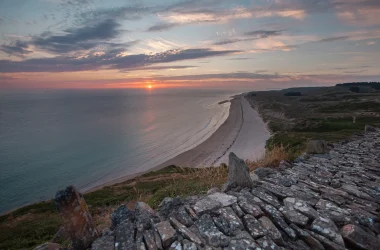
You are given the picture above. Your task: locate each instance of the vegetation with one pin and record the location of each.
(293, 94)
(328, 113)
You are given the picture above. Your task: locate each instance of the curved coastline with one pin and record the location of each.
(212, 150)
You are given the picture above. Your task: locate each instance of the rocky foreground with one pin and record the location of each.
(322, 201)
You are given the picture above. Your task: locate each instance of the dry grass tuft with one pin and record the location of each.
(271, 158)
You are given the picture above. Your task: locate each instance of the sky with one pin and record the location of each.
(248, 44)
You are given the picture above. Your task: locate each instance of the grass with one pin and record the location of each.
(32, 225)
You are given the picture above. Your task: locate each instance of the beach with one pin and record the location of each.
(243, 133)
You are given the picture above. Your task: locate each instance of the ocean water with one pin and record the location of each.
(52, 139)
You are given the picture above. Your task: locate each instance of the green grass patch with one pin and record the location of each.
(179, 188)
(351, 107)
(168, 170)
(28, 230)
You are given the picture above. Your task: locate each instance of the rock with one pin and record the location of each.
(272, 230)
(253, 226)
(205, 205)
(278, 220)
(234, 223)
(144, 215)
(157, 239)
(104, 243)
(264, 172)
(272, 200)
(357, 237)
(210, 232)
(168, 205)
(369, 129)
(188, 245)
(298, 245)
(124, 236)
(302, 207)
(292, 216)
(48, 246)
(182, 216)
(327, 228)
(191, 212)
(60, 236)
(185, 232)
(223, 225)
(224, 199)
(175, 246)
(242, 245)
(149, 240)
(254, 177)
(307, 238)
(237, 210)
(353, 190)
(285, 164)
(167, 233)
(238, 173)
(267, 244)
(76, 218)
(249, 208)
(121, 214)
(316, 147)
(213, 190)
(327, 244)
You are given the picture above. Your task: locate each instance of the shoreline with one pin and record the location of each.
(206, 154)
(214, 148)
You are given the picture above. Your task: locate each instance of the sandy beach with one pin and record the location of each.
(243, 133)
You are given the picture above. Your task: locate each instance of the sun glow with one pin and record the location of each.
(149, 86)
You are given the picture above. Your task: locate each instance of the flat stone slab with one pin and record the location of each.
(167, 233)
(206, 205)
(224, 199)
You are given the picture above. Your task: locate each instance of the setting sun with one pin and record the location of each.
(149, 86)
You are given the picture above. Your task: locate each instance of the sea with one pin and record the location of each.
(54, 138)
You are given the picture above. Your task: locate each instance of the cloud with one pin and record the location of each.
(169, 67)
(135, 12)
(73, 40)
(18, 48)
(332, 39)
(358, 12)
(77, 39)
(176, 16)
(162, 27)
(107, 61)
(229, 76)
(250, 36)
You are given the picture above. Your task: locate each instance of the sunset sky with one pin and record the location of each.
(253, 44)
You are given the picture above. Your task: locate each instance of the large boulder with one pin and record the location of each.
(76, 218)
(317, 147)
(238, 173)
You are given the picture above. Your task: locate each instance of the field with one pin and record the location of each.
(298, 115)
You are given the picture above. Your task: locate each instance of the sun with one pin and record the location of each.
(149, 86)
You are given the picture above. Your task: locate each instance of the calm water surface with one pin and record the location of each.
(52, 139)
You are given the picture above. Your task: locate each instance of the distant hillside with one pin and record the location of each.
(375, 85)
